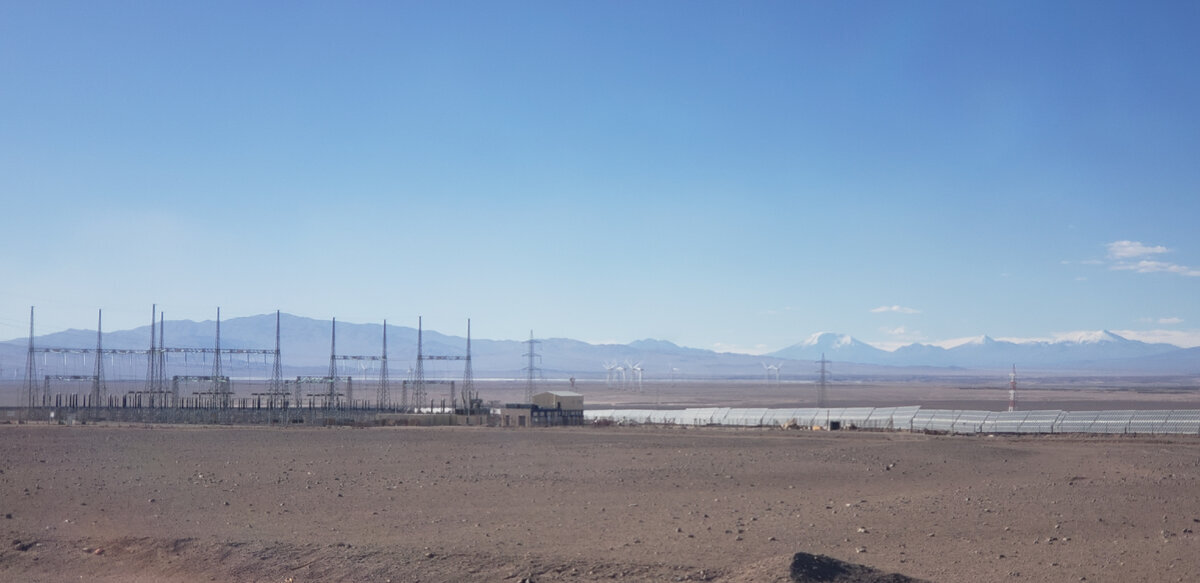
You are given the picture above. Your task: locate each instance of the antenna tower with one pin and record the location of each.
(824, 381)
(1012, 389)
(531, 371)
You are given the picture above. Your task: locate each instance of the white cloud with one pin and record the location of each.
(1148, 266)
(896, 309)
(1131, 249)
(1165, 321)
(900, 331)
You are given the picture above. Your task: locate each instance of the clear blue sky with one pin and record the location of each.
(729, 175)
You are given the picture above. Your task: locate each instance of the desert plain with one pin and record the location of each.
(295, 504)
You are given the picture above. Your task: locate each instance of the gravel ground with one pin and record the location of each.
(106, 503)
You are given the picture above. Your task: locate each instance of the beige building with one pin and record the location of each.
(554, 399)
(548, 409)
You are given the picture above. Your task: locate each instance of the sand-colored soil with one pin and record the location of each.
(98, 503)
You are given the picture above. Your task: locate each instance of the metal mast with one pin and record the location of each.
(31, 367)
(821, 404)
(1012, 389)
(331, 397)
(220, 389)
(418, 396)
(531, 371)
(384, 398)
(468, 388)
(277, 395)
(99, 390)
(162, 360)
(151, 360)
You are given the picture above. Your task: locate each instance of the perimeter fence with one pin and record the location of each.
(1159, 422)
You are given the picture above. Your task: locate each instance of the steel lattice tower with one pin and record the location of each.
(531, 371)
(99, 389)
(151, 360)
(162, 360)
(277, 395)
(331, 398)
(383, 398)
(468, 388)
(221, 389)
(31, 367)
(418, 396)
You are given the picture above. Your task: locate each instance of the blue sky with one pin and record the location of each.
(723, 175)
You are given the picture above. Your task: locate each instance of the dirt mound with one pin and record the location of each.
(808, 568)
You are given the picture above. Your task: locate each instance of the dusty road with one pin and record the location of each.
(113, 504)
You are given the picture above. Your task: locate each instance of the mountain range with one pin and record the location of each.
(305, 345)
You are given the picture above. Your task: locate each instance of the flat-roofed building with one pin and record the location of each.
(548, 409)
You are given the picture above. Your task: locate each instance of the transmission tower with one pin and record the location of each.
(31, 367)
(278, 396)
(221, 390)
(468, 388)
(383, 399)
(99, 389)
(821, 404)
(531, 371)
(162, 358)
(151, 360)
(331, 396)
(418, 396)
(421, 384)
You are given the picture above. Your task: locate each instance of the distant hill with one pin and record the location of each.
(305, 348)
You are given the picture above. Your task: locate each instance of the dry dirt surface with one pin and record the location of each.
(106, 503)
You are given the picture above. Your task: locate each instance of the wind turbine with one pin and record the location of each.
(770, 369)
(608, 367)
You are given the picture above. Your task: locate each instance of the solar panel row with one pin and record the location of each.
(918, 419)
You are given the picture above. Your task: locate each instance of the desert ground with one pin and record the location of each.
(165, 503)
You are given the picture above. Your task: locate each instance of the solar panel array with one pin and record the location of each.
(1185, 421)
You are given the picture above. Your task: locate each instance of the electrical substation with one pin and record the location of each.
(166, 384)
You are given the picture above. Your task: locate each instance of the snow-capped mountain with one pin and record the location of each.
(1077, 349)
(305, 348)
(835, 347)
